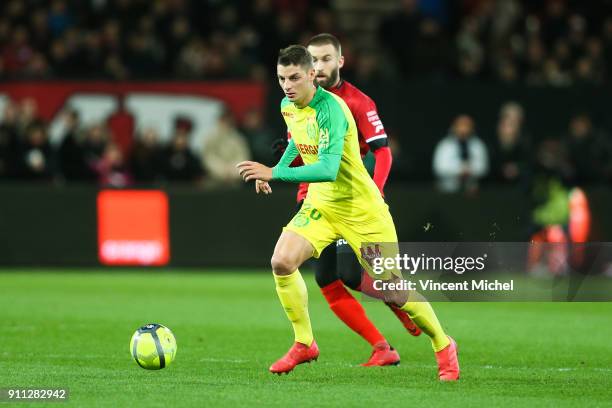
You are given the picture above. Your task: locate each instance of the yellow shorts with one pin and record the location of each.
(374, 238)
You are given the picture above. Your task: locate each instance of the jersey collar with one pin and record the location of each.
(316, 97)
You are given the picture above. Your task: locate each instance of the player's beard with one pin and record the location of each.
(330, 80)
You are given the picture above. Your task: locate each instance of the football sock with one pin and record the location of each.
(350, 311)
(293, 296)
(423, 316)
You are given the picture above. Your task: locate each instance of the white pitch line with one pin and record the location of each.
(348, 365)
(224, 360)
(8, 355)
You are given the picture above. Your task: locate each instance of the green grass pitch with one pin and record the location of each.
(72, 329)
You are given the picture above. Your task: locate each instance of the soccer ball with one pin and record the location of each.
(153, 346)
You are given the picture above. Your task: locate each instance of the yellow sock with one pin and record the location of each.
(423, 316)
(293, 296)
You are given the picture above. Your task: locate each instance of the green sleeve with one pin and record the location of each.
(289, 155)
(326, 169)
(332, 129)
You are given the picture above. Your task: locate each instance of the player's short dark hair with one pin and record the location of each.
(295, 55)
(325, 39)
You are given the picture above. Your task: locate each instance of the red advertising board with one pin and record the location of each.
(133, 227)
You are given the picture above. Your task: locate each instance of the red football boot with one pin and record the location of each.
(298, 353)
(383, 355)
(406, 320)
(448, 364)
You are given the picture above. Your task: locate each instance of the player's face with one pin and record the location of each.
(327, 64)
(297, 83)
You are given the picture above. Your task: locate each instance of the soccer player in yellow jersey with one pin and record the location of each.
(342, 202)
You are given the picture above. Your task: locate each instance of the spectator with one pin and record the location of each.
(585, 72)
(589, 150)
(260, 138)
(17, 54)
(27, 114)
(143, 57)
(535, 63)
(96, 139)
(60, 59)
(192, 61)
(39, 29)
(112, 169)
(367, 68)
(8, 139)
(555, 21)
(176, 38)
(461, 158)
(35, 157)
(550, 205)
(607, 43)
(399, 33)
(59, 18)
(223, 148)
(71, 154)
(510, 159)
(470, 50)
(178, 162)
(145, 161)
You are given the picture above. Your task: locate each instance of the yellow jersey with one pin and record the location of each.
(324, 132)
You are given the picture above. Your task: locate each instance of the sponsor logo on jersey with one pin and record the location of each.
(307, 149)
(375, 121)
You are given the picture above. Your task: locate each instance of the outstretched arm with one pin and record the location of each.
(326, 169)
(332, 129)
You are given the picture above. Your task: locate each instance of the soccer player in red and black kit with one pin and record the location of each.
(337, 265)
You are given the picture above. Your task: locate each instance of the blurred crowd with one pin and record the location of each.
(538, 42)
(119, 39)
(550, 173)
(88, 153)
(462, 160)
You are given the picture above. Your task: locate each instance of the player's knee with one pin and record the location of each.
(282, 264)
